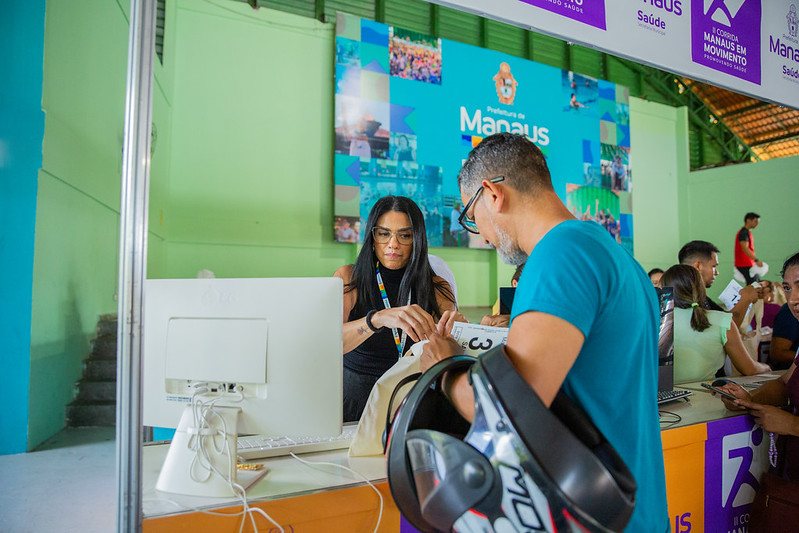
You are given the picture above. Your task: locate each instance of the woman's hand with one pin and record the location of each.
(497, 321)
(770, 418)
(412, 319)
(448, 319)
(737, 391)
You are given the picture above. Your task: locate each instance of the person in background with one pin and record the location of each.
(654, 276)
(497, 319)
(767, 404)
(455, 229)
(745, 257)
(784, 339)
(703, 338)
(704, 256)
(577, 287)
(392, 298)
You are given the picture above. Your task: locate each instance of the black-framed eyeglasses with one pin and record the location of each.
(382, 235)
(467, 222)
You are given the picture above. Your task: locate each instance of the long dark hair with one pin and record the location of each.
(418, 275)
(689, 292)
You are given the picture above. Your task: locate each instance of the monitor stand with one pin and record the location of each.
(182, 458)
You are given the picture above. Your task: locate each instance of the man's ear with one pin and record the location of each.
(495, 194)
(697, 265)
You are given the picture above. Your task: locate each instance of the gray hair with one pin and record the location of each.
(510, 155)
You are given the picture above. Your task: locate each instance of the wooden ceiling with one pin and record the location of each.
(770, 130)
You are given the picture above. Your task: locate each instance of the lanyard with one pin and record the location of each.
(400, 343)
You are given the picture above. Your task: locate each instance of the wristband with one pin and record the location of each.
(369, 324)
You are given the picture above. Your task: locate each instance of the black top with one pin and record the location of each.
(378, 353)
(743, 234)
(711, 305)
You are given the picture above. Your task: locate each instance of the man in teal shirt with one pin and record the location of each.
(584, 317)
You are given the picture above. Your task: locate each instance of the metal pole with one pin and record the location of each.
(133, 261)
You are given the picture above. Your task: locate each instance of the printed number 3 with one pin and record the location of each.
(482, 346)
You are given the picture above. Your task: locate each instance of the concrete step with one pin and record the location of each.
(95, 391)
(107, 325)
(100, 369)
(104, 347)
(81, 414)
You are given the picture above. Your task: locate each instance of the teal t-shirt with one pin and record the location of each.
(577, 272)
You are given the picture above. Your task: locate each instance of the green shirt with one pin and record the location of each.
(699, 354)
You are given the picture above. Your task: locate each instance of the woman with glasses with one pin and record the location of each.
(392, 298)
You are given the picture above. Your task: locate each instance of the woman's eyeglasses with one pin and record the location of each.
(383, 235)
(465, 220)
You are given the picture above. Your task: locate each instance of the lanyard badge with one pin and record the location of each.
(399, 342)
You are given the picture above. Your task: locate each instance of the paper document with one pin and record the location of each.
(731, 294)
(476, 339)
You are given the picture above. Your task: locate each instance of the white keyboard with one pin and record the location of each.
(260, 447)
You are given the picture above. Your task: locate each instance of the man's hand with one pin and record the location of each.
(764, 289)
(438, 349)
(749, 294)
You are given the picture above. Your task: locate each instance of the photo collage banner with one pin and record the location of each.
(410, 107)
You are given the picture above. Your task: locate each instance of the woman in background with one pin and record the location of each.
(702, 338)
(392, 298)
(767, 405)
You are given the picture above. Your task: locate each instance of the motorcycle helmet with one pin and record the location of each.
(519, 466)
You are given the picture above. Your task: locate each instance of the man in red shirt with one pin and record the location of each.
(745, 257)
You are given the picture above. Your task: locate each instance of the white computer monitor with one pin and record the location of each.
(269, 349)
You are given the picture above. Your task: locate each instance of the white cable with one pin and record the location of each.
(348, 469)
(204, 412)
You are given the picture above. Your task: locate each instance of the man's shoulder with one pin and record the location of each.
(743, 234)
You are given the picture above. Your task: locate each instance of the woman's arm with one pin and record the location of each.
(356, 331)
(739, 356)
(780, 350)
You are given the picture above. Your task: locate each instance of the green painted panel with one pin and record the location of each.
(717, 199)
(75, 281)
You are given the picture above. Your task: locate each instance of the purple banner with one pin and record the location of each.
(734, 463)
(591, 12)
(725, 36)
(406, 527)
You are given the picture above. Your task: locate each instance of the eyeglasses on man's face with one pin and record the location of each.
(382, 235)
(465, 220)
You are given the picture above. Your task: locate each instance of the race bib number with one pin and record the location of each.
(476, 339)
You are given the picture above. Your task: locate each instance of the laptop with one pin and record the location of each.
(666, 390)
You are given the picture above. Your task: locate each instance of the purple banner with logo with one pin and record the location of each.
(734, 462)
(725, 36)
(591, 12)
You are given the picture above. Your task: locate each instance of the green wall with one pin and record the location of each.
(659, 154)
(77, 212)
(713, 204)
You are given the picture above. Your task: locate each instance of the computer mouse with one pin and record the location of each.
(720, 382)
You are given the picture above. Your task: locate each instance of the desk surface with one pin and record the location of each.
(702, 407)
(287, 477)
